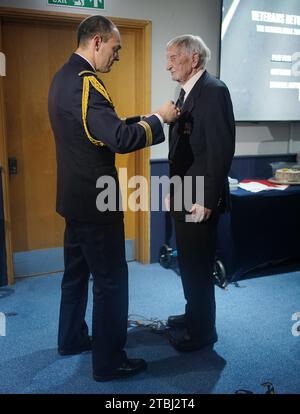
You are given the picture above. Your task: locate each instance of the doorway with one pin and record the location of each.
(36, 230)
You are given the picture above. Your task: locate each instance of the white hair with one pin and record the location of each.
(192, 44)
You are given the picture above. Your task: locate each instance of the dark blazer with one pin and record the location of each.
(80, 160)
(202, 141)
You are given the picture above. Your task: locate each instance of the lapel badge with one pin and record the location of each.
(187, 130)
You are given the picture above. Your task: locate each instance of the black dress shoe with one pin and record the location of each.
(188, 344)
(177, 321)
(128, 368)
(75, 351)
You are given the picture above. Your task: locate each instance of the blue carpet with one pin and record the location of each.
(254, 326)
(32, 262)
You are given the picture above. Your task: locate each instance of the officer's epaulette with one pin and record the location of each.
(90, 77)
(87, 72)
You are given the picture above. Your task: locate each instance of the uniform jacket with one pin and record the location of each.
(86, 143)
(202, 141)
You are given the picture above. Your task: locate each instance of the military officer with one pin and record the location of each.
(88, 133)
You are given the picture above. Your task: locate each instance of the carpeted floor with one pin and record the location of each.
(254, 322)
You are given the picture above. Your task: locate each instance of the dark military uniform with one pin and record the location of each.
(88, 133)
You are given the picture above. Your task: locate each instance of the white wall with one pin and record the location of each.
(169, 19)
(267, 138)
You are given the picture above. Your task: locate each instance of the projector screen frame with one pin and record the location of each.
(246, 121)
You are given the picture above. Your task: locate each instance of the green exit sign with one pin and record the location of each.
(85, 4)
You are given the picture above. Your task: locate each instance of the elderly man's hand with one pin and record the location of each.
(199, 213)
(167, 202)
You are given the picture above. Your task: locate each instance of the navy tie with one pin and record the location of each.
(180, 99)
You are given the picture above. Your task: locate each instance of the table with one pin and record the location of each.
(261, 228)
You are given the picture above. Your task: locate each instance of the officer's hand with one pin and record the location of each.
(168, 112)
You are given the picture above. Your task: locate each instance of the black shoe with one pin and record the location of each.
(126, 369)
(75, 351)
(188, 344)
(177, 321)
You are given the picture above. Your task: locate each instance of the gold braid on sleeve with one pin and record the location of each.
(148, 131)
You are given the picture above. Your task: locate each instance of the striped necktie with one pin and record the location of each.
(180, 99)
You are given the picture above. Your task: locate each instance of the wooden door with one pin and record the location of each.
(123, 87)
(41, 50)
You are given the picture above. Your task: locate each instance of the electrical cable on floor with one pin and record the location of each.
(238, 285)
(154, 324)
(268, 385)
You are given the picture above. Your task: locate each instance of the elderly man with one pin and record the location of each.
(201, 143)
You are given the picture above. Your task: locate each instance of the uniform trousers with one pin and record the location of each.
(196, 248)
(97, 250)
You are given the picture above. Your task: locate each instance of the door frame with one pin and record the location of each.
(142, 222)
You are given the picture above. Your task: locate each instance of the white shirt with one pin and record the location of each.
(188, 86)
